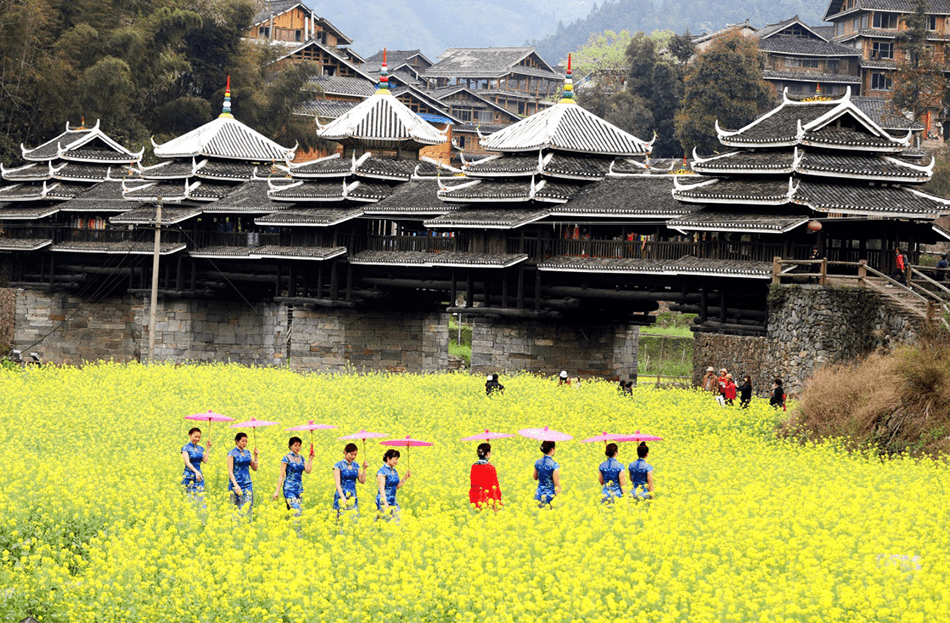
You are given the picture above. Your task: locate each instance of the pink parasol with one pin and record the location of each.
(310, 426)
(363, 435)
(486, 436)
(544, 434)
(606, 437)
(209, 417)
(638, 436)
(407, 443)
(254, 425)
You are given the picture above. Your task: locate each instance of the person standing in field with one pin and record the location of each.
(721, 386)
(611, 474)
(492, 386)
(484, 491)
(346, 474)
(778, 394)
(388, 482)
(641, 474)
(240, 464)
(745, 392)
(548, 475)
(730, 390)
(708, 382)
(290, 482)
(193, 456)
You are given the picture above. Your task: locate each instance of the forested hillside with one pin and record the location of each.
(698, 16)
(143, 67)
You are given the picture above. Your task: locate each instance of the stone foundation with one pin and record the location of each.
(809, 327)
(329, 340)
(334, 340)
(603, 351)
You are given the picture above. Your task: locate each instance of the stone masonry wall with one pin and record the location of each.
(228, 331)
(335, 340)
(76, 331)
(809, 327)
(506, 346)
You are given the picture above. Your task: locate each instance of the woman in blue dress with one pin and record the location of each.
(346, 474)
(240, 462)
(611, 474)
(292, 467)
(194, 455)
(388, 482)
(548, 475)
(641, 474)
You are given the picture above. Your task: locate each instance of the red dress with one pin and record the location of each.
(485, 487)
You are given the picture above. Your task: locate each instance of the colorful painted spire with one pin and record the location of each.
(818, 88)
(383, 86)
(226, 111)
(567, 97)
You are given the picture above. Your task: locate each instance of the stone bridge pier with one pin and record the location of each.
(606, 351)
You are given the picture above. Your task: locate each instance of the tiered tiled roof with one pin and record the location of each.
(804, 159)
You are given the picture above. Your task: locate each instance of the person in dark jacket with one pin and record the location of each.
(942, 268)
(493, 386)
(745, 391)
(778, 394)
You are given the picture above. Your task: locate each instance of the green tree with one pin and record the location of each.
(725, 84)
(603, 59)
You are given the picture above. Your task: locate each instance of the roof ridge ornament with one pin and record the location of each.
(226, 109)
(567, 97)
(383, 85)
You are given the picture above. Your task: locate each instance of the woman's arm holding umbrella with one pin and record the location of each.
(362, 475)
(187, 459)
(404, 480)
(237, 487)
(280, 479)
(254, 463)
(204, 457)
(556, 476)
(308, 466)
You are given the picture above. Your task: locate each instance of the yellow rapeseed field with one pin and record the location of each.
(94, 525)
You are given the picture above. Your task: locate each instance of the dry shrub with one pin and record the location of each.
(898, 402)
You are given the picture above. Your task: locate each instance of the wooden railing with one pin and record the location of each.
(935, 299)
(540, 249)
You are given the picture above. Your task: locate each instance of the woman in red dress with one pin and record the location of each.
(485, 491)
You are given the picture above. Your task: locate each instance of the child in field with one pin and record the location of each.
(778, 395)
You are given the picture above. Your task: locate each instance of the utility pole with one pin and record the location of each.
(154, 306)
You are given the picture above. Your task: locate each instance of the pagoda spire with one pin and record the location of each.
(383, 86)
(226, 110)
(567, 97)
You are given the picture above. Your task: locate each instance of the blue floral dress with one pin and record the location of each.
(189, 479)
(242, 474)
(349, 473)
(545, 466)
(392, 481)
(610, 471)
(293, 480)
(638, 479)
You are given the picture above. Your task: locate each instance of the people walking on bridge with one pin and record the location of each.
(900, 266)
(942, 266)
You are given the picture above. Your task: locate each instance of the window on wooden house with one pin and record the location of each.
(886, 21)
(864, 21)
(880, 82)
(831, 66)
(298, 35)
(839, 29)
(882, 49)
(931, 22)
(263, 31)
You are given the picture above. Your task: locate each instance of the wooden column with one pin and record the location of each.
(537, 290)
(520, 294)
(334, 281)
(277, 282)
(504, 290)
(349, 282)
(320, 281)
(704, 303)
(454, 291)
(469, 286)
(722, 304)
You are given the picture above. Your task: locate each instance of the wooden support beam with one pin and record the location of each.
(334, 281)
(469, 289)
(520, 295)
(349, 283)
